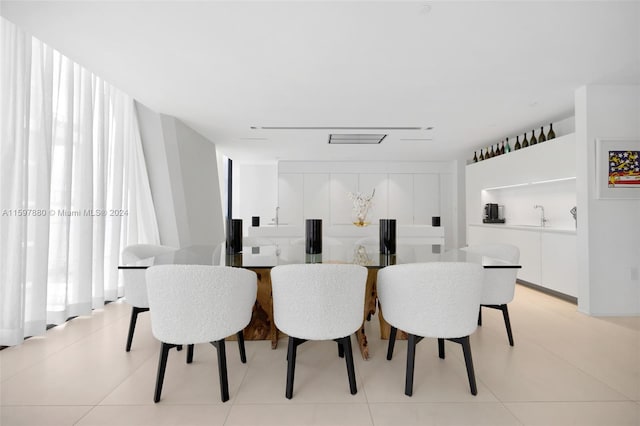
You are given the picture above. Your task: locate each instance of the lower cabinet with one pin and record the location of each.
(559, 264)
(548, 257)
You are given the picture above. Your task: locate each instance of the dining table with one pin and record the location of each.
(262, 255)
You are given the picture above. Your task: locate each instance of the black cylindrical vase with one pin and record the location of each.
(313, 236)
(387, 236)
(435, 220)
(255, 220)
(234, 236)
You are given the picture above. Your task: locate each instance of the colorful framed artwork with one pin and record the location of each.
(618, 169)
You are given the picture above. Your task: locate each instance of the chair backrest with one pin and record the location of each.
(499, 284)
(318, 301)
(135, 288)
(435, 299)
(196, 304)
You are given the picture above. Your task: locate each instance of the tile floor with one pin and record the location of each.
(566, 369)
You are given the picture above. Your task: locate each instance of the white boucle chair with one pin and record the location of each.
(319, 302)
(135, 287)
(437, 299)
(193, 304)
(499, 284)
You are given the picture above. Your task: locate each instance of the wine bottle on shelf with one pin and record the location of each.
(533, 138)
(502, 148)
(486, 154)
(492, 153)
(517, 145)
(525, 142)
(475, 157)
(541, 138)
(508, 147)
(551, 133)
(481, 155)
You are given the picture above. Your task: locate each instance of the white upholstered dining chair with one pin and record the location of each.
(438, 300)
(135, 287)
(193, 304)
(499, 284)
(319, 302)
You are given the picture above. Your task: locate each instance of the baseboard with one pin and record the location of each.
(565, 297)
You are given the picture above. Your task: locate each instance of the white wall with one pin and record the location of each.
(255, 192)
(183, 176)
(609, 230)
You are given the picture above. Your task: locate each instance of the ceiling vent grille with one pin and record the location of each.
(355, 139)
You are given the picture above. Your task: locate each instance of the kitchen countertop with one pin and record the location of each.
(549, 229)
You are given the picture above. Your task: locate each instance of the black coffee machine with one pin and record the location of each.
(491, 214)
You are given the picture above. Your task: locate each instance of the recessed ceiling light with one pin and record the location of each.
(355, 139)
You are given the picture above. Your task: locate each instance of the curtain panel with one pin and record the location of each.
(74, 189)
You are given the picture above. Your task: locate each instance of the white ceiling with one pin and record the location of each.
(475, 71)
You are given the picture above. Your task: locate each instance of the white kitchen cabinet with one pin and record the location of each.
(290, 198)
(548, 256)
(367, 182)
(543, 174)
(340, 186)
(400, 198)
(559, 263)
(317, 196)
(426, 196)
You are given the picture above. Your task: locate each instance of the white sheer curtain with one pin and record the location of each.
(73, 187)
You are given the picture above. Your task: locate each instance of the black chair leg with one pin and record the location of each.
(222, 369)
(132, 324)
(162, 365)
(243, 353)
(392, 342)
(507, 323)
(340, 349)
(189, 354)
(411, 361)
(441, 348)
(466, 349)
(480, 315)
(291, 366)
(348, 356)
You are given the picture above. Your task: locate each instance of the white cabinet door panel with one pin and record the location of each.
(367, 182)
(559, 263)
(341, 205)
(426, 195)
(290, 198)
(317, 196)
(401, 198)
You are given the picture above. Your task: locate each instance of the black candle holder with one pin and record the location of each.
(435, 220)
(234, 236)
(387, 236)
(255, 221)
(313, 236)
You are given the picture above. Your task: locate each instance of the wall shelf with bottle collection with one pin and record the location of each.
(504, 147)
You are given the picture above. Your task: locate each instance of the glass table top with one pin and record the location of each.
(283, 253)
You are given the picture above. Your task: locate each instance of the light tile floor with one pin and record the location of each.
(565, 369)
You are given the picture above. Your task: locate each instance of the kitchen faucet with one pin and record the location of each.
(276, 219)
(543, 219)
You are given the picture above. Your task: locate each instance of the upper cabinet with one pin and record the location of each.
(543, 174)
